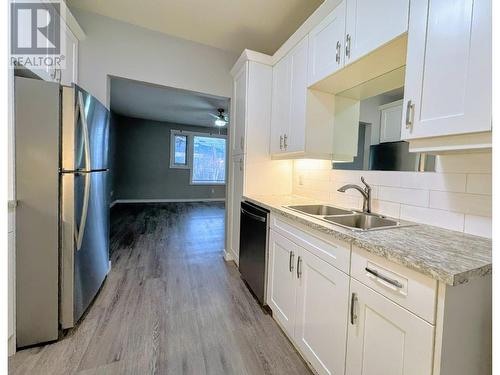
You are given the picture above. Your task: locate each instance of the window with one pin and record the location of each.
(209, 160)
(203, 153)
(179, 150)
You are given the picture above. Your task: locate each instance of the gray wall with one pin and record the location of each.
(140, 159)
(121, 49)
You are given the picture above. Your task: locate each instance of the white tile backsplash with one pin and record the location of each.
(479, 184)
(457, 196)
(439, 218)
(478, 225)
(473, 204)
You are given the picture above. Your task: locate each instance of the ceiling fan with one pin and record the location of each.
(220, 119)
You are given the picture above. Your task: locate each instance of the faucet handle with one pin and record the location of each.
(367, 187)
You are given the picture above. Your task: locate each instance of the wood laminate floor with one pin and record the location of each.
(170, 305)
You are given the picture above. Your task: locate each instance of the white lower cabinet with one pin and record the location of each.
(384, 338)
(282, 286)
(309, 298)
(320, 321)
(339, 324)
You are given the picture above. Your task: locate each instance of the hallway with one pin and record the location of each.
(170, 305)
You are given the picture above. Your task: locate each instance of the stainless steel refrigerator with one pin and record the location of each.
(62, 217)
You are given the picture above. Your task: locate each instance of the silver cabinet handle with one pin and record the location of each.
(281, 142)
(375, 273)
(299, 267)
(285, 143)
(354, 299)
(409, 114)
(290, 261)
(337, 54)
(242, 143)
(241, 165)
(348, 45)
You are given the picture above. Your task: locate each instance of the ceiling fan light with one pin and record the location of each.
(220, 122)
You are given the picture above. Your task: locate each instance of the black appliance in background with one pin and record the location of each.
(254, 230)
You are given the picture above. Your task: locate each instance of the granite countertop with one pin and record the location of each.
(451, 257)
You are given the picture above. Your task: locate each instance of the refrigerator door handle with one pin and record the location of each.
(79, 231)
(85, 128)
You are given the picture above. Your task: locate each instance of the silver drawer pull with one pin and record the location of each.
(354, 299)
(396, 283)
(290, 261)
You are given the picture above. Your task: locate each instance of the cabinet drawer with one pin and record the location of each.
(332, 251)
(406, 287)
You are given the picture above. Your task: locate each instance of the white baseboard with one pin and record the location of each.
(166, 200)
(231, 256)
(228, 257)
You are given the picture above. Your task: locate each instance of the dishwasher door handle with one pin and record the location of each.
(253, 216)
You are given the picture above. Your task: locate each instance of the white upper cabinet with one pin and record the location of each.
(390, 121)
(448, 70)
(288, 116)
(298, 97)
(326, 45)
(69, 74)
(384, 338)
(239, 110)
(322, 305)
(370, 24)
(281, 105)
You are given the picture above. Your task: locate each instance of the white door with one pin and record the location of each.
(281, 101)
(448, 68)
(384, 338)
(326, 45)
(370, 24)
(237, 171)
(239, 111)
(282, 283)
(321, 318)
(68, 75)
(295, 138)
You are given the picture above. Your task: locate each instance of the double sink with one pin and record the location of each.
(350, 219)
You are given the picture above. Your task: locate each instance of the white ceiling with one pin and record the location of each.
(260, 25)
(159, 103)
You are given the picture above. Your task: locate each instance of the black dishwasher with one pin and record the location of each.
(253, 248)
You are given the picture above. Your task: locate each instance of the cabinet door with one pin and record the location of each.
(326, 45)
(448, 68)
(281, 101)
(390, 123)
(282, 283)
(68, 75)
(239, 111)
(384, 338)
(295, 138)
(321, 318)
(237, 172)
(370, 24)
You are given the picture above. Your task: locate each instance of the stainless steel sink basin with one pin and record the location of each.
(362, 221)
(320, 210)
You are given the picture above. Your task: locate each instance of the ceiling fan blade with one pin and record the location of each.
(214, 116)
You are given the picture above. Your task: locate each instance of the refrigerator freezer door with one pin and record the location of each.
(85, 241)
(37, 217)
(85, 131)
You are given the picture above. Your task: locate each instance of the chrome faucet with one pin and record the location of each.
(366, 193)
